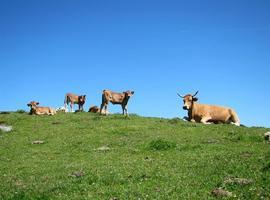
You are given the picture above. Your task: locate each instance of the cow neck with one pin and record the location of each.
(191, 111)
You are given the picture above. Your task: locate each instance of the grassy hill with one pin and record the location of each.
(87, 156)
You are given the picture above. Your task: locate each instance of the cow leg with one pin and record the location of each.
(101, 107)
(106, 106)
(205, 120)
(66, 103)
(125, 110)
(71, 107)
(193, 120)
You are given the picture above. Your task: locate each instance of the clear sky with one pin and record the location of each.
(156, 48)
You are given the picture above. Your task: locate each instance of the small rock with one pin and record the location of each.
(240, 181)
(219, 192)
(103, 148)
(267, 136)
(77, 174)
(38, 142)
(5, 128)
(211, 141)
(114, 198)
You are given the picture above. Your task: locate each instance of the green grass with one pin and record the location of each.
(146, 158)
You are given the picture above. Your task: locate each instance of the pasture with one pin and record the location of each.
(88, 156)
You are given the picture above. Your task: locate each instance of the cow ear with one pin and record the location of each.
(195, 99)
(37, 103)
(28, 104)
(132, 92)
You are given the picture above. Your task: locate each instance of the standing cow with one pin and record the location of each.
(74, 99)
(116, 98)
(208, 113)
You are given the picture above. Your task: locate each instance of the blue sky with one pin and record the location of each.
(156, 48)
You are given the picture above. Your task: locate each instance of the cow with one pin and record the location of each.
(115, 98)
(74, 99)
(38, 110)
(208, 113)
(95, 109)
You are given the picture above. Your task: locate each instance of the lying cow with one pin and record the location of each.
(115, 98)
(208, 113)
(38, 110)
(95, 109)
(74, 99)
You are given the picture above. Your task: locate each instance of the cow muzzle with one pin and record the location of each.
(185, 107)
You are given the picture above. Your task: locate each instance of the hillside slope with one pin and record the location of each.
(87, 156)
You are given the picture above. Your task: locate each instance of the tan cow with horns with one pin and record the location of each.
(208, 113)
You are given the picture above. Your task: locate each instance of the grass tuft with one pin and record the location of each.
(161, 145)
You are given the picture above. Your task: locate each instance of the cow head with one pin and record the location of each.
(188, 100)
(33, 104)
(81, 99)
(128, 93)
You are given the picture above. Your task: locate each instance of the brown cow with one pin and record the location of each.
(74, 99)
(38, 110)
(95, 109)
(116, 98)
(208, 113)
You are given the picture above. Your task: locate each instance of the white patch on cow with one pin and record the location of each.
(236, 123)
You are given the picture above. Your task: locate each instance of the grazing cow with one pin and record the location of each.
(116, 98)
(95, 109)
(38, 110)
(74, 99)
(208, 113)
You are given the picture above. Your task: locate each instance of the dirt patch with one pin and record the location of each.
(219, 192)
(56, 123)
(211, 141)
(246, 154)
(239, 181)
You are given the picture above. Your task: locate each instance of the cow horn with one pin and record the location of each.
(195, 94)
(180, 95)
